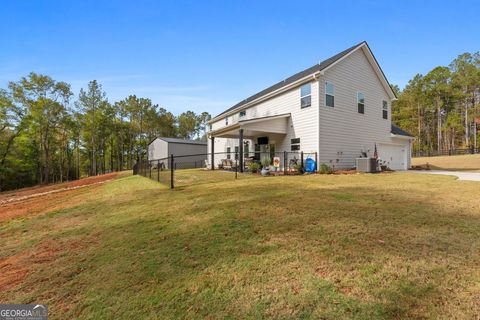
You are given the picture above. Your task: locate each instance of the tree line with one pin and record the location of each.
(47, 135)
(442, 108)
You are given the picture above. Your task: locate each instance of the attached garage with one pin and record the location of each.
(397, 154)
(394, 156)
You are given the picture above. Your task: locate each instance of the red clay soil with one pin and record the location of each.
(30, 202)
(15, 269)
(50, 187)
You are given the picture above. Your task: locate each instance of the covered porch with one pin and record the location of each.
(258, 131)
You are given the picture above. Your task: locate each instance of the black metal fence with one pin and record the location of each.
(184, 170)
(451, 152)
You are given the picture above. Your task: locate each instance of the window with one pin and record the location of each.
(329, 94)
(385, 109)
(237, 150)
(226, 121)
(242, 113)
(306, 95)
(295, 144)
(361, 102)
(209, 127)
(295, 147)
(228, 153)
(246, 149)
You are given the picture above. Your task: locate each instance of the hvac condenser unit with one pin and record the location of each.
(366, 165)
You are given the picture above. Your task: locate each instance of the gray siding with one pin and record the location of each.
(197, 154)
(160, 149)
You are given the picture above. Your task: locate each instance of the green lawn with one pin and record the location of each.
(383, 246)
(469, 162)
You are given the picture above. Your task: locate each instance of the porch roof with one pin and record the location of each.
(275, 124)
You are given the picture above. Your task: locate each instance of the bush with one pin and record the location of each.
(254, 167)
(266, 162)
(325, 169)
(299, 168)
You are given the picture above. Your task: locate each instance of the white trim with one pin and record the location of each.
(402, 136)
(360, 92)
(333, 95)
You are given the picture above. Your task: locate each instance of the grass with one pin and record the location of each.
(385, 246)
(469, 162)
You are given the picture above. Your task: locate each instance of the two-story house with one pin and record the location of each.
(339, 108)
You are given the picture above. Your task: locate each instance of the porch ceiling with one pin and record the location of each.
(276, 124)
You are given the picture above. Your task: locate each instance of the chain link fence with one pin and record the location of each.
(187, 170)
(451, 152)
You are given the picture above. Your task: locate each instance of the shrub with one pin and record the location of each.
(325, 169)
(266, 162)
(299, 168)
(254, 167)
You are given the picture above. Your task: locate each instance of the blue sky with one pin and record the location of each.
(208, 55)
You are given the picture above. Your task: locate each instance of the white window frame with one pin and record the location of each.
(240, 115)
(358, 102)
(328, 94)
(385, 108)
(305, 96)
(226, 121)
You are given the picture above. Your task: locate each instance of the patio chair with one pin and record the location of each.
(227, 164)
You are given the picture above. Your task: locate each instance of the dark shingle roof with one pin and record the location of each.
(318, 67)
(399, 131)
(177, 140)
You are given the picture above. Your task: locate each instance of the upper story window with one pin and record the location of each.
(360, 102)
(242, 113)
(306, 95)
(295, 144)
(226, 121)
(385, 109)
(209, 127)
(329, 94)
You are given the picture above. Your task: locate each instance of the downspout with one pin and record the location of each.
(318, 77)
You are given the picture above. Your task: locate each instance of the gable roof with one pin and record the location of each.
(181, 141)
(399, 131)
(322, 66)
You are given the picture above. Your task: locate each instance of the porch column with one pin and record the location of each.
(212, 163)
(240, 148)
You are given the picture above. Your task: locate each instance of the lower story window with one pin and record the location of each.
(228, 153)
(236, 152)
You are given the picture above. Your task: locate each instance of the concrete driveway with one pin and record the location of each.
(461, 175)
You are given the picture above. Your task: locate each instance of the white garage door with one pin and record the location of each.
(395, 156)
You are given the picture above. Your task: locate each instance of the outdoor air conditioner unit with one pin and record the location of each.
(366, 165)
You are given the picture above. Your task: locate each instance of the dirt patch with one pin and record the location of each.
(39, 200)
(10, 196)
(39, 205)
(15, 269)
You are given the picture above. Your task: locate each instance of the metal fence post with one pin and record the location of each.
(171, 171)
(150, 168)
(158, 170)
(316, 161)
(236, 167)
(301, 159)
(285, 155)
